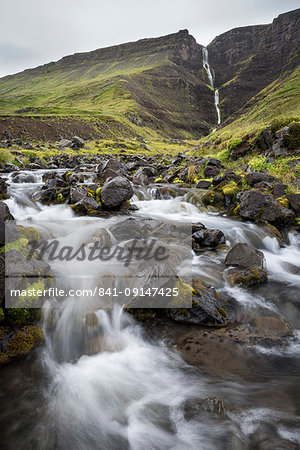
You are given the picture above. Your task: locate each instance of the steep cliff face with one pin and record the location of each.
(246, 60)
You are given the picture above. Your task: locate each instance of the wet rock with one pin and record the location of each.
(88, 206)
(2, 280)
(294, 202)
(115, 192)
(3, 189)
(77, 194)
(23, 178)
(9, 233)
(55, 183)
(227, 351)
(207, 238)
(244, 256)
(247, 277)
(203, 184)
(15, 344)
(214, 405)
(258, 206)
(45, 196)
(144, 175)
(208, 308)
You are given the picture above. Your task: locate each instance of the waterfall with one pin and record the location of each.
(211, 83)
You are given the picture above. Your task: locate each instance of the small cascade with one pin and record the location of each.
(211, 83)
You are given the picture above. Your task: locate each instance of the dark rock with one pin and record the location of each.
(240, 150)
(203, 184)
(211, 171)
(77, 194)
(19, 343)
(115, 192)
(9, 233)
(265, 140)
(208, 308)
(207, 238)
(45, 196)
(253, 178)
(55, 183)
(279, 190)
(247, 277)
(244, 256)
(143, 174)
(27, 146)
(294, 202)
(212, 162)
(88, 206)
(3, 188)
(23, 178)
(258, 206)
(229, 175)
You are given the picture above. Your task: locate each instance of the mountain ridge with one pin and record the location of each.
(158, 86)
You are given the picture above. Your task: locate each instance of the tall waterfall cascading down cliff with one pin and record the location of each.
(211, 83)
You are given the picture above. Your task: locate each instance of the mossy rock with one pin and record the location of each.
(29, 233)
(18, 344)
(230, 189)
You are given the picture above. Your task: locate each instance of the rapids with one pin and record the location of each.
(113, 383)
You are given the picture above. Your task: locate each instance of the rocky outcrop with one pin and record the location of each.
(261, 207)
(247, 59)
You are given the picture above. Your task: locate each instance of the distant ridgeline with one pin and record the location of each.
(159, 87)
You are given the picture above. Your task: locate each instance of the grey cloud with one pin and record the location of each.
(35, 32)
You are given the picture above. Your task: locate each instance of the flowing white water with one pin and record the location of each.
(108, 385)
(211, 83)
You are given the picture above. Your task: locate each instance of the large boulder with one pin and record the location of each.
(12, 232)
(208, 308)
(249, 264)
(207, 238)
(116, 192)
(243, 255)
(261, 207)
(294, 202)
(253, 178)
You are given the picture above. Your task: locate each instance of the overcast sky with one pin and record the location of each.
(34, 32)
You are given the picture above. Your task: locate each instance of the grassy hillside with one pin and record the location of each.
(153, 84)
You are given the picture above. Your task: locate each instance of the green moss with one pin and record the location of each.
(230, 189)
(21, 343)
(17, 316)
(234, 143)
(29, 233)
(1, 315)
(20, 245)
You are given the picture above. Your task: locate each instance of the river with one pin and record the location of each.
(135, 391)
